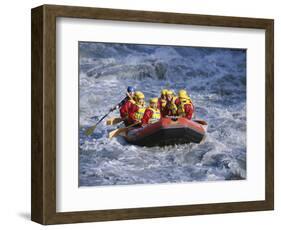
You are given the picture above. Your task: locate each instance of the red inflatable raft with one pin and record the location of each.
(168, 131)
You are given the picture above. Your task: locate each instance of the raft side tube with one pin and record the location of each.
(167, 132)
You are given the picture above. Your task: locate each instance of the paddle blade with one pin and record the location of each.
(109, 121)
(90, 130)
(116, 132)
(112, 134)
(113, 120)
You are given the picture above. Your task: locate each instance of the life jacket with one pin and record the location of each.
(163, 102)
(171, 106)
(156, 115)
(190, 101)
(181, 109)
(140, 112)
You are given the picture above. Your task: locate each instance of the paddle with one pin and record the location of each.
(114, 120)
(91, 129)
(116, 132)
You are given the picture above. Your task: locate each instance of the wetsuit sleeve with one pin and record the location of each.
(188, 111)
(132, 111)
(159, 104)
(124, 110)
(147, 115)
(177, 102)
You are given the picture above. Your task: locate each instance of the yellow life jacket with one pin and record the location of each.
(139, 114)
(163, 102)
(181, 110)
(172, 106)
(155, 116)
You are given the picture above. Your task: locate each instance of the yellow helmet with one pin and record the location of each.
(185, 99)
(169, 92)
(139, 95)
(164, 91)
(182, 93)
(153, 100)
